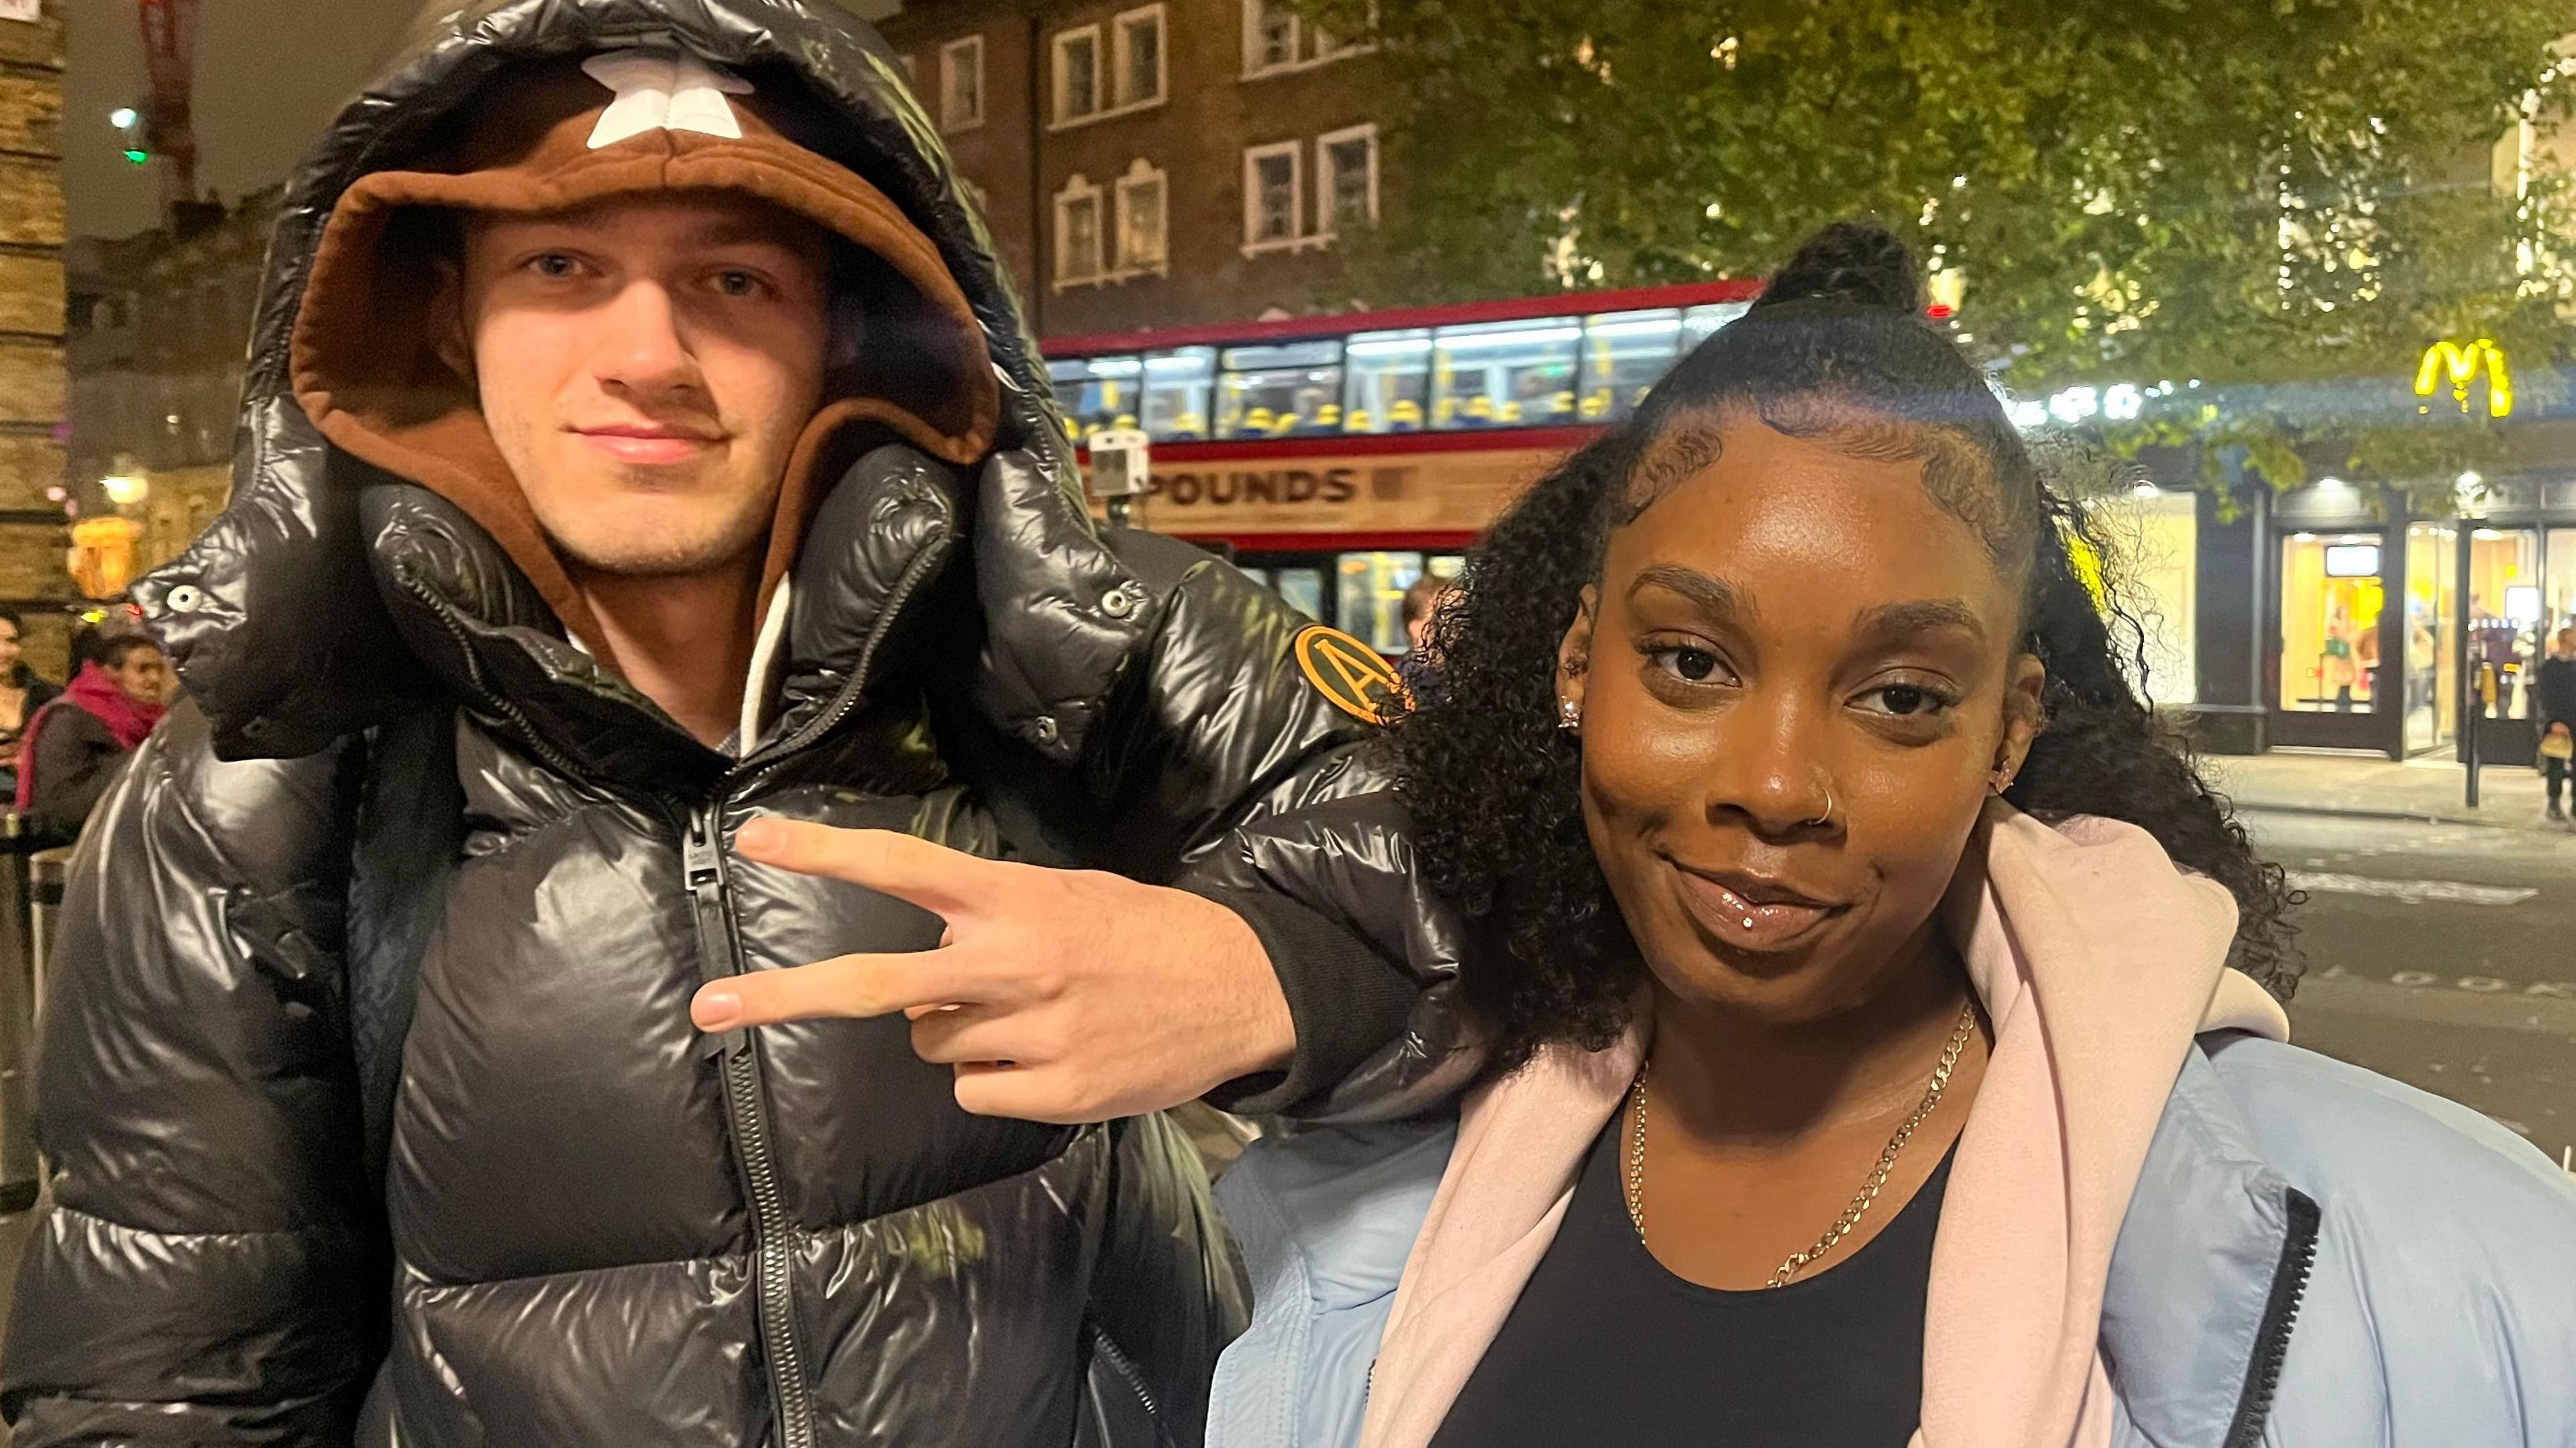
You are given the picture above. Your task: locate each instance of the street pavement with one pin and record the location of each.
(2440, 938)
(2441, 954)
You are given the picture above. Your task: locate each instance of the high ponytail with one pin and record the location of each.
(1850, 263)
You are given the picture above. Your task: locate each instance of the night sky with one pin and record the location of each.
(270, 75)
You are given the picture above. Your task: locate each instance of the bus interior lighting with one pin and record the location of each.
(1462, 338)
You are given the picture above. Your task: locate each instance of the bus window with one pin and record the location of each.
(1700, 322)
(1372, 597)
(1177, 388)
(1390, 381)
(1096, 392)
(1288, 391)
(1303, 588)
(1506, 374)
(1625, 353)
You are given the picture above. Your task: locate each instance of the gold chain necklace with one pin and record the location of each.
(1842, 1227)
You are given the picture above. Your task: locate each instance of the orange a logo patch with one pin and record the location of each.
(1351, 675)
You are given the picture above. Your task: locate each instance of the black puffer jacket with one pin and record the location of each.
(368, 1075)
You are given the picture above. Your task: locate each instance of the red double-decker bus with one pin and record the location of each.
(1340, 458)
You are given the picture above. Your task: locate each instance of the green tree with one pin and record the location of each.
(2249, 193)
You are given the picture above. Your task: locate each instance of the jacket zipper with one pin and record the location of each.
(920, 568)
(1107, 1347)
(746, 1104)
(2280, 1313)
(509, 711)
(746, 1093)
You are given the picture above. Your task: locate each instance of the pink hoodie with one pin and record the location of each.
(2098, 962)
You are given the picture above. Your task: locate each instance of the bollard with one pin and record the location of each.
(2472, 713)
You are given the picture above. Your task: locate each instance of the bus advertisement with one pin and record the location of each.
(1340, 458)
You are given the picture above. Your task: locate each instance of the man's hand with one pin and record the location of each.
(1058, 995)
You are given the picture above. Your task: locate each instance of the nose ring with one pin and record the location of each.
(1827, 816)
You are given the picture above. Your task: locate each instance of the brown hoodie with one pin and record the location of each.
(908, 355)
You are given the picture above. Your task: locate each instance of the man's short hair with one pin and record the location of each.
(1424, 596)
(114, 651)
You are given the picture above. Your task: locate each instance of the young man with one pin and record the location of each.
(648, 468)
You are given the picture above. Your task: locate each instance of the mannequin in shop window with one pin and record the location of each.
(2337, 671)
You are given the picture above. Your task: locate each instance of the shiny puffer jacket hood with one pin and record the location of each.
(367, 1083)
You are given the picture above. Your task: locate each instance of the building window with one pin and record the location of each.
(1077, 233)
(1276, 40)
(1077, 75)
(1346, 189)
(961, 84)
(1140, 57)
(1142, 227)
(1274, 185)
(1270, 34)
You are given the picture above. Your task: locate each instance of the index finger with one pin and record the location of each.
(943, 881)
(851, 987)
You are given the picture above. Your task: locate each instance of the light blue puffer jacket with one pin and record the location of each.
(2316, 1257)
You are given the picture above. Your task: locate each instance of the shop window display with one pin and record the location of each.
(2331, 599)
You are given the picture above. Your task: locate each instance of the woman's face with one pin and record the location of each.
(1792, 625)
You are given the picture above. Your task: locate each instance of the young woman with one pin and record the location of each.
(22, 693)
(1882, 1014)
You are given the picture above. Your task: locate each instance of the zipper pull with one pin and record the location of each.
(711, 906)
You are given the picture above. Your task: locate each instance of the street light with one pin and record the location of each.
(123, 118)
(125, 489)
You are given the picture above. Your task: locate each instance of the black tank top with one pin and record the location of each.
(1606, 1346)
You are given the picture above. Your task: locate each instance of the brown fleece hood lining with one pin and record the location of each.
(365, 358)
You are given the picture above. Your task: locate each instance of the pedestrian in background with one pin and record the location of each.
(22, 692)
(1421, 605)
(1423, 601)
(2554, 691)
(75, 745)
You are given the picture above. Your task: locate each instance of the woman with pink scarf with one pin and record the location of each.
(1881, 1016)
(75, 745)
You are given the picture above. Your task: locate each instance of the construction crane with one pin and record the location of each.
(170, 62)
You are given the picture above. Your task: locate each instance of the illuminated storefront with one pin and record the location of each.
(2153, 536)
(2380, 626)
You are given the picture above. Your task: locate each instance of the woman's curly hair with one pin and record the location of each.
(1834, 349)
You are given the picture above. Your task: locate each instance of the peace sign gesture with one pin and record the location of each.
(1057, 995)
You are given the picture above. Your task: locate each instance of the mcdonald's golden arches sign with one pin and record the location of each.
(2459, 366)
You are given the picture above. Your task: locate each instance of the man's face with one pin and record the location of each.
(646, 366)
(144, 675)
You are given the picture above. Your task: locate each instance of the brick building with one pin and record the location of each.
(1149, 165)
(32, 540)
(156, 327)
